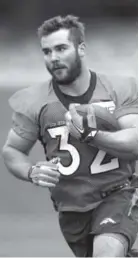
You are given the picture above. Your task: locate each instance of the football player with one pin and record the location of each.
(90, 159)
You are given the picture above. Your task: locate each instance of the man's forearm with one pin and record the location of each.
(17, 163)
(122, 144)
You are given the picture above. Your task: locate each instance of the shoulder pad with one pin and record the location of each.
(122, 89)
(29, 101)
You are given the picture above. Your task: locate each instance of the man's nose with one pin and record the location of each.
(54, 56)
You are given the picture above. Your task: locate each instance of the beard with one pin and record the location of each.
(67, 75)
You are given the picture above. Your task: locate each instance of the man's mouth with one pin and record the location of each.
(58, 68)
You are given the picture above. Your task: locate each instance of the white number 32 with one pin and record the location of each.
(96, 166)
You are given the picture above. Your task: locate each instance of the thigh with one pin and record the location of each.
(117, 214)
(110, 245)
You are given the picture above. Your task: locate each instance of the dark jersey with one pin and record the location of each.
(85, 171)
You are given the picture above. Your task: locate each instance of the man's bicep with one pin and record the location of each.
(17, 142)
(128, 121)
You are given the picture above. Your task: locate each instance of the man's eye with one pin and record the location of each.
(61, 48)
(46, 51)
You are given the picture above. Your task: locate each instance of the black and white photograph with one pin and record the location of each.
(68, 130)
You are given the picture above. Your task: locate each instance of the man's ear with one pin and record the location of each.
(81, 49)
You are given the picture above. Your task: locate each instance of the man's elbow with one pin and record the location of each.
(6, 154)
(9, 159)
(5, 151)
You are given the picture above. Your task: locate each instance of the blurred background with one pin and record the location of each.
(28, 223)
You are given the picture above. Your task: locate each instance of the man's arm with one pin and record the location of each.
(15, 154)
(123, 143)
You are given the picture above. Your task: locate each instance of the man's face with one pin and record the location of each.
(61, 56)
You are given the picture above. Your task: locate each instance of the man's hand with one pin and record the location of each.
(80, 126)
(45, 173)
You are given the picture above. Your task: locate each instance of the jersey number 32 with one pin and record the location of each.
(95, 167)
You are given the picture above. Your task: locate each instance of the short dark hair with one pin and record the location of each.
(69, 22)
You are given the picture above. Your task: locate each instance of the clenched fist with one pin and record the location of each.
(45, 173)
(81, 121)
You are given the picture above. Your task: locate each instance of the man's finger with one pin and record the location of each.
(43, 183)
(45, 178)
(53, 163)
(73, 131)
(55, 160)
(45, 170)
(74, 114)
(91, 116)
(50, 171)
(68, 116)
(90, 109)
(53, 167)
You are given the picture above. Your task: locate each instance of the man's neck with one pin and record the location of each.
(79, 86)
